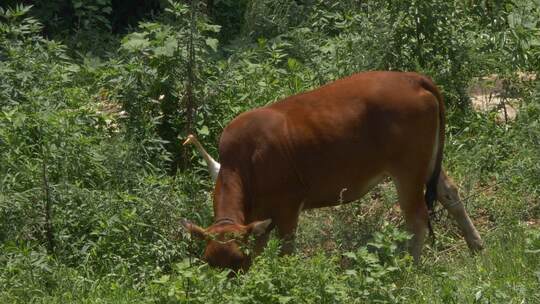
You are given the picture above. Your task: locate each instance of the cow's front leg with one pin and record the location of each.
(261, 241)
(286, 228)
(447, 194)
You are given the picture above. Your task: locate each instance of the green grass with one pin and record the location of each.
(508, 271)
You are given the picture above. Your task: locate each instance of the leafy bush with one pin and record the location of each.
(61, 148)
(368, 275)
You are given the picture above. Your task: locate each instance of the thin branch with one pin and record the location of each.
(49, 233)
(190, 69)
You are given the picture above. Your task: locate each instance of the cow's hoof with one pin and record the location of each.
(476, 245)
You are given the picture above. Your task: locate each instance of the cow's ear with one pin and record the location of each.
(259, 227)
(193, 229)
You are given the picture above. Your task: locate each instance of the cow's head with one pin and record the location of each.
(226, 242)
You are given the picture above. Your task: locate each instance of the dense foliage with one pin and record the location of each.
(95, 98)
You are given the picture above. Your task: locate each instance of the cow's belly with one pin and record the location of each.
(341, 187)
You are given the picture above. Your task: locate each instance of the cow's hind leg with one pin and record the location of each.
(447, 194)
(413, 205)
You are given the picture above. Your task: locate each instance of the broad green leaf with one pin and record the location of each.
(203, 130)
(135, 42)
(212, 43)
(168, 49)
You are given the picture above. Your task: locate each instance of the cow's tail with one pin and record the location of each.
(431, 185)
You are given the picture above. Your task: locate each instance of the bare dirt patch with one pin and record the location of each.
(494, 93)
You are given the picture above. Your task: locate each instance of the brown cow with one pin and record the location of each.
(328, 146)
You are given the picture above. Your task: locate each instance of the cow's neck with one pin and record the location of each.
(229, 200)
(229, 211)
